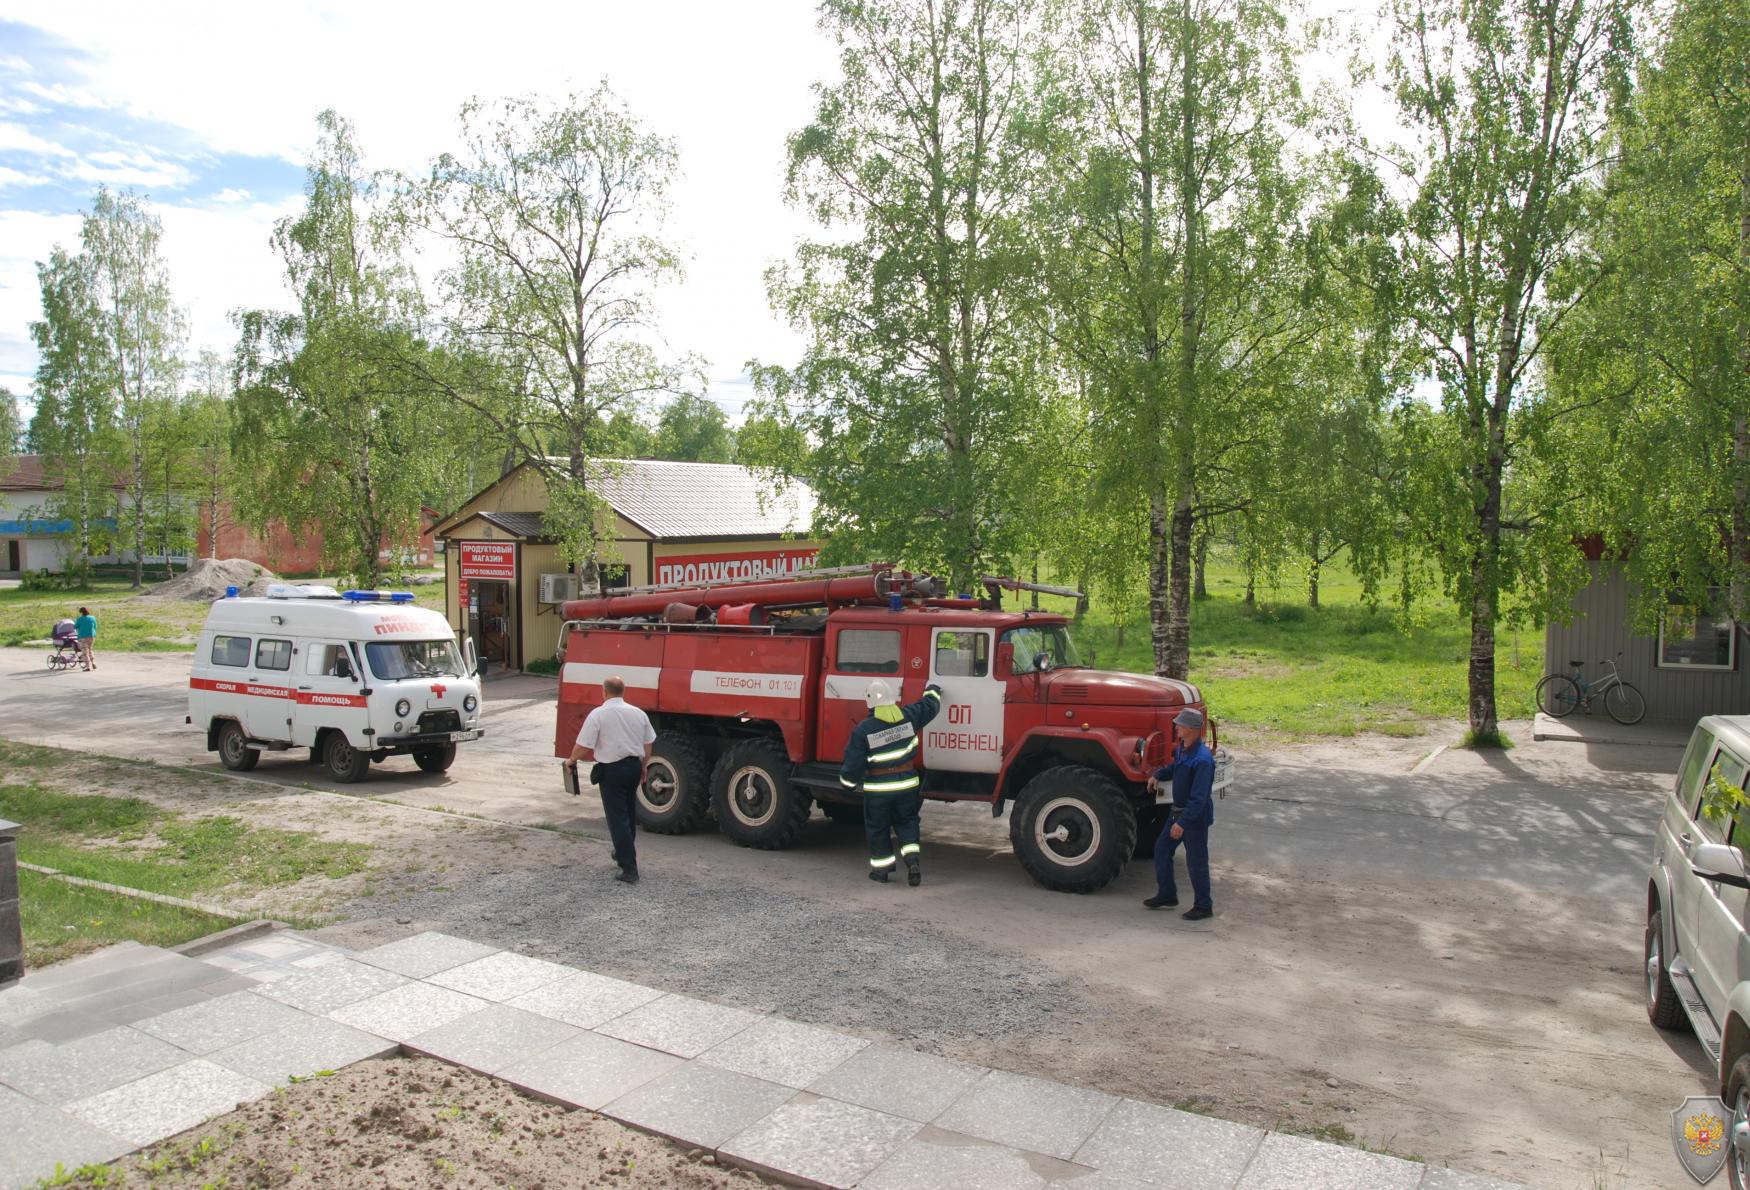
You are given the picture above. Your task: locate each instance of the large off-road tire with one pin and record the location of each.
(755, 801)
(1663, 1008)
(1150, 822)
(435, 759)
(1072, 829)
(843, 813)
(1737, 1099)
(676, 794)
(234, 750)
(344, 762)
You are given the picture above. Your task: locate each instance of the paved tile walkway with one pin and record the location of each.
(129, 1046)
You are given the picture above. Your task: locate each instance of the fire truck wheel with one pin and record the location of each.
(1072, 829)
(843, 813)
(344, 762)
(234, 753)
(1150, 820)
(676, 795)
(756, 803)
(435, 759)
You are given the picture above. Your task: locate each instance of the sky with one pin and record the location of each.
(208, 110)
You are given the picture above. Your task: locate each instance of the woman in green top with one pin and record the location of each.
(85, 628)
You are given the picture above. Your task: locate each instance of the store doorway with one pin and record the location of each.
(492, 624)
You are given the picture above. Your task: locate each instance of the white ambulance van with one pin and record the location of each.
(354, 677)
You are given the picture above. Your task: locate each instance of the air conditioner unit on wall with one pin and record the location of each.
(557, 588)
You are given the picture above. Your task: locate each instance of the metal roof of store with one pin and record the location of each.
(692, 500)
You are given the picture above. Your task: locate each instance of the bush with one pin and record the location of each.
(547, 667)
(77, 577)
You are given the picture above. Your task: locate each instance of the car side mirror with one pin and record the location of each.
(1719, 863)
(1005, 664)
(342, 666)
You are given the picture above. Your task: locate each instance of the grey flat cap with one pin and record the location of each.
(1188, 718)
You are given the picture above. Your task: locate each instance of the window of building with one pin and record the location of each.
(868, 651)
(231, 650)
(1691, 637)
(962, 654)
(274, 654)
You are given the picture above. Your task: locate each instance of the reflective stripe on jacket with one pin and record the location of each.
(882, 757)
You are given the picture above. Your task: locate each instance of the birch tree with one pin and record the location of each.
(1508, 101)
(913, 382)
(211, 422)
(142, 333)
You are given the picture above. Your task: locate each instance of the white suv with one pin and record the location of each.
(1698, 944)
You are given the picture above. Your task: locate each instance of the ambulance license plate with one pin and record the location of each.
(457, 737)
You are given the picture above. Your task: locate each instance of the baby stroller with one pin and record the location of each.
(66, 654)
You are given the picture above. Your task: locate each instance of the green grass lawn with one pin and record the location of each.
(62, 920)
(1283, 669)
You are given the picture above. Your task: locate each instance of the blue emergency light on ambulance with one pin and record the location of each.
(355, 677)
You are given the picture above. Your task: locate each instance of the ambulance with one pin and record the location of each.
(355, 676)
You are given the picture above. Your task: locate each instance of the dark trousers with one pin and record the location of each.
(1196, 842)
(619, 786)
(887, 816)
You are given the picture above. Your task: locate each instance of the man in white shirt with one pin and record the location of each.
(617, 736)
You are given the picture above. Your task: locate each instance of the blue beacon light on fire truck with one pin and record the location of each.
(378, 596)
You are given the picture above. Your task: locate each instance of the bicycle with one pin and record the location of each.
(1559, 694)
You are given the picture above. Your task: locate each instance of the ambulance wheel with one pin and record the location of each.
(234, 750)
(1150, 821)
(676, 794)
(757, 805)
(1072, 829)
(435, 759)
(344, 762)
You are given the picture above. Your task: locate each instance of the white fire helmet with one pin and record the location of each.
(879, 694)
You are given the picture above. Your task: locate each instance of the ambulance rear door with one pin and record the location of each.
(330, 694)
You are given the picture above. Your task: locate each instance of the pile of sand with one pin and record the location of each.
(207, 579)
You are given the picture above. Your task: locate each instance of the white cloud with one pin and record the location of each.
(15, 138)
(232, 194)
(22, 107)
(115, 167)
(61, 95)
(13, 177)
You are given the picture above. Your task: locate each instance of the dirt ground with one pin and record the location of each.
(1443, 1013)
(413, 1122)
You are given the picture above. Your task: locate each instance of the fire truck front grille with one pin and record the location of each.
(433, 721)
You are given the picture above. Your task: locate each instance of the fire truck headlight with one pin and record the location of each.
(469, 703)
(403, 707)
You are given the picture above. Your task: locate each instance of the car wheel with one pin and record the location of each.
(344, 762)
(1663, 1008)
(234, 750)
(675, 796)
(1072, 829)
(756, 803)
(1738, 1104)
(435, 759)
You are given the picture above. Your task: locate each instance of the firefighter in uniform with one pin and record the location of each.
(880, 759)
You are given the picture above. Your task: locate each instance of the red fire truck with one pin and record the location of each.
(754, 687)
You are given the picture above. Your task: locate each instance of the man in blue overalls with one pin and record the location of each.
(880, 758)
(1192, 773)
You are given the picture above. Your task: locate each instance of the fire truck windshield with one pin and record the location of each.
(1049, 640)
(413, 659)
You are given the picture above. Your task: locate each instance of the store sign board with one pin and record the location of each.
(489, 559)
(749, 566)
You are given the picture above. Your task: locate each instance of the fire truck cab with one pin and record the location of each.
(755, 688)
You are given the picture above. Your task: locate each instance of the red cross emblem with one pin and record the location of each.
(438, 689)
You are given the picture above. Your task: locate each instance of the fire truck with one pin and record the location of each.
(754, 687)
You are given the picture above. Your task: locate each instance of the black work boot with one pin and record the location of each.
(879, 875)
(913, 876)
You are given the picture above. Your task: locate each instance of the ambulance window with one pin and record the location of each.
(866, 651)
(231, 650)
(323, 661)
(274, 654)
(962, 654)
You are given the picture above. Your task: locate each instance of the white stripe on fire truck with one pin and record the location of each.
(747, 685)
(637, 677)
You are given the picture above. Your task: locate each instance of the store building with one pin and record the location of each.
(670, 523)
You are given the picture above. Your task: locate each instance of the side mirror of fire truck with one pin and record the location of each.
(1006, 659)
